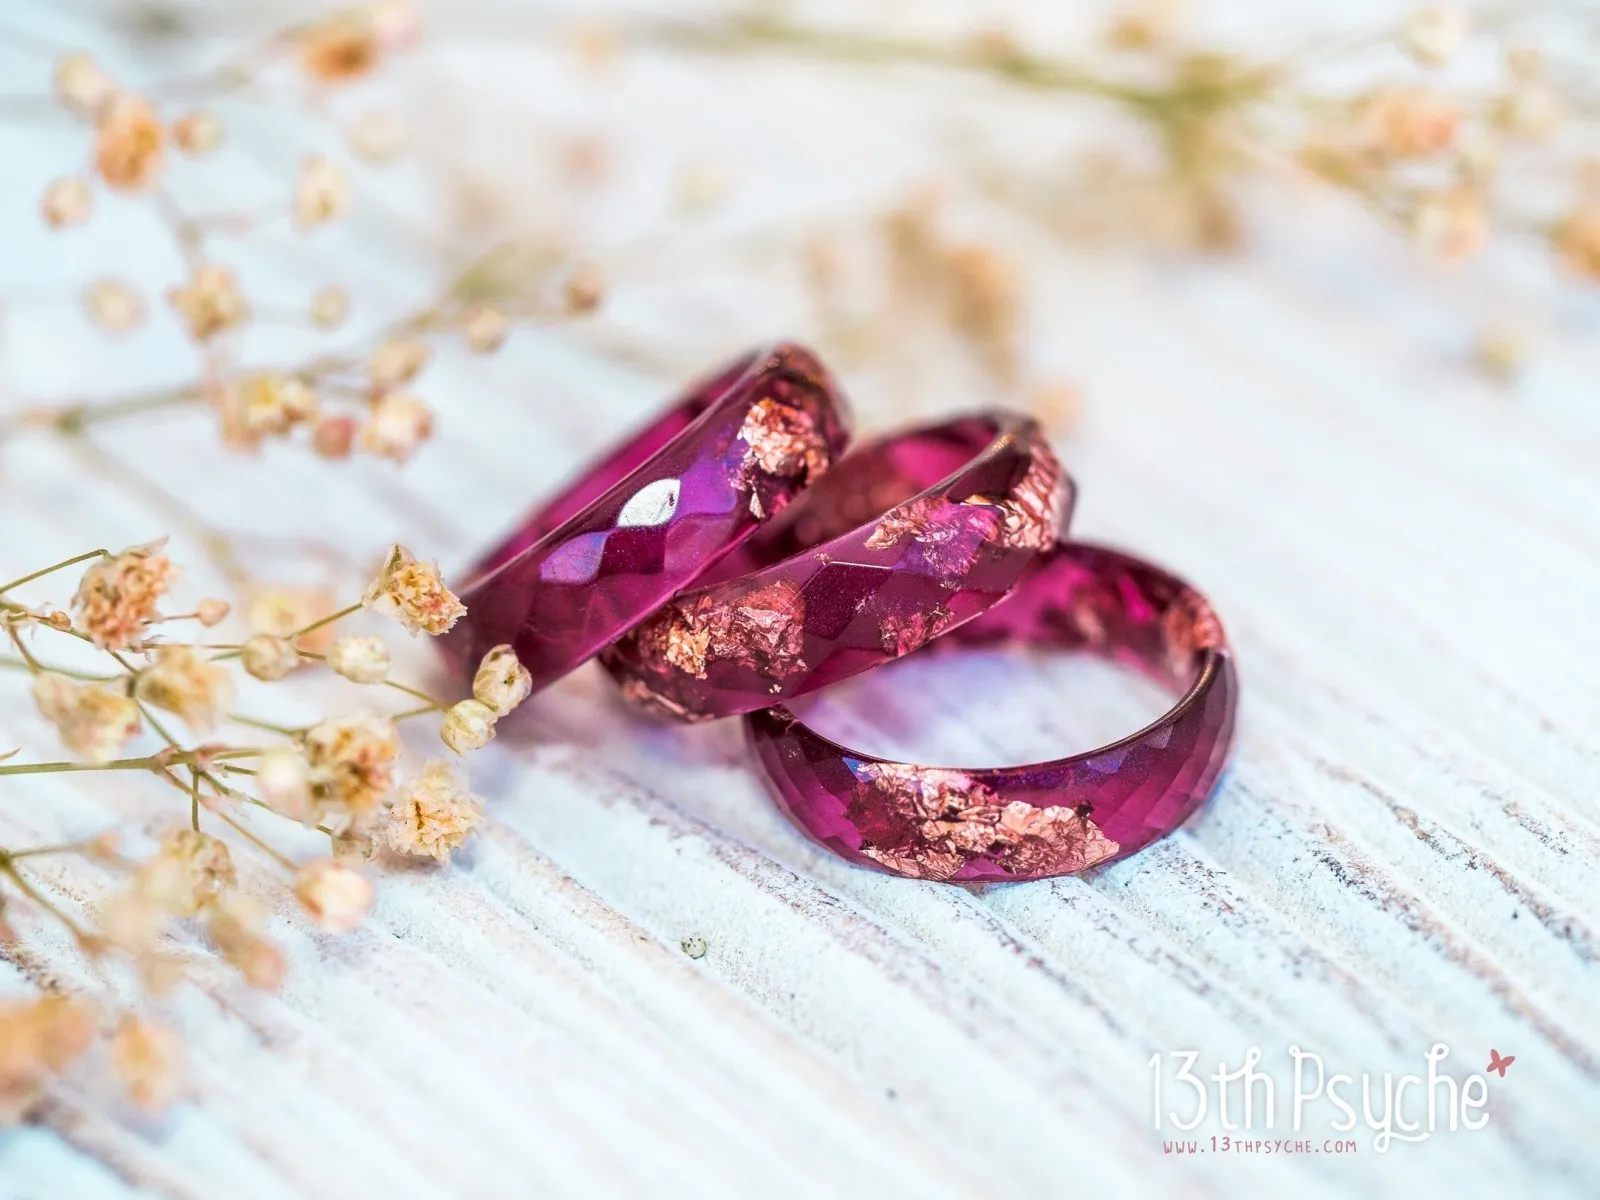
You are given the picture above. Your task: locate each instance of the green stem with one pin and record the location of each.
(43, 571)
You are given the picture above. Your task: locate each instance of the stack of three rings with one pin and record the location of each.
(732, 557)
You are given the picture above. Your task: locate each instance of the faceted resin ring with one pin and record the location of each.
(1054, 818)
(642, 524)
(904, 539)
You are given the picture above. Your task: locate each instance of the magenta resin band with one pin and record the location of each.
(905, 539)
(1054, 818)
(642, 524)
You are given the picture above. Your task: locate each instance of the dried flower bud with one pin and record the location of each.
(353, 846)
(1577, 241)
(337, 896)
(148, 1058)
(38, 1038)
(1409, 123)
(113, 306)
(265, 405)
(330, 306)
(181, 681)
(1146, 26)
(352, 768)
(212, 613)
(93, 721)
(346, 46)
(57, 620)
(397, 361)
(105, 847)
(211, 303)
(235, 926)
(269, 658)
(501, 681)
(468, 726)
(82, 86)
(397, 22)
(585, 289)
(1501, 351)
(322, 193)
(484, 328)
(413, 593)
(117, 597)
(129, 147)
(333, 436)
(66, 202)
(361, 659)
(283, 779)
(282, 611)
(399, 424)
(1451, 226)
(197, 133)
(1433, 35)
(190, 873)
(434, 813)
(1532, 110)
(376, 137)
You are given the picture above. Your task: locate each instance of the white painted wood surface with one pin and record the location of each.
(1403, 853)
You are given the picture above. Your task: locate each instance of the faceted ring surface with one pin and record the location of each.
(1046, 819)
(643, 523)
(904, 539)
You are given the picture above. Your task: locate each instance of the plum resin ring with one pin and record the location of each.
(1053, 818)
(586, 567)
(903, 540)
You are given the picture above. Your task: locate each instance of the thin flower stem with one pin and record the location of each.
(415, 712)
(414, 693)
(257, 723)
(239, 827)
(21, 664)
(327, 620)
(60, 566)
(147, 763)
(28, 659)
(77, 847)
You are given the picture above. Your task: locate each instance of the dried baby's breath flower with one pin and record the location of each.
(1577, 241)
(265, 405)
(283, 781)
(182, 681)
(351, 763)
(1143, 27)
(235, 925)
(93, 720)
(113, 306)
(211, 303)
(398, 23)
(38, 1039)
(129, 145)
(413, 593)
(585, 289)
(269, 658)
(1501, 351)
(131, 920)
(82, 86)
(337, 896)
(190, 873)
(66, 202)
(1532, 110)
(334, 436)
(376, 137)
(398, 425)
(354, 846)
(434, 814)
(321, 194)
(117, 597)
(148, 1058)
(1406, 122)
(1057, 405)
(362, 659)
(467, 726)
(985, 302)
(501, 681)
(212, 613)
(484, 328)
(330, 306)
(1434, 34)
(397, 361)
(281, 611)
(1451, 226)
(341, 48)
(197, 133)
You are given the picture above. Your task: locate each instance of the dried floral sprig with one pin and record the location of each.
(339, 774)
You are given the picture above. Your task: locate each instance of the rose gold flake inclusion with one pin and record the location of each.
(783, 441)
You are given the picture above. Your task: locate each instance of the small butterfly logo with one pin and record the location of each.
(1498, 1064)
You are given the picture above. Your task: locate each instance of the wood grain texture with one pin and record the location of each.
(1404, 852)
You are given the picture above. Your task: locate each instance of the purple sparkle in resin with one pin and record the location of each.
(644, 523)
(904, 539)
(1032, 822)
